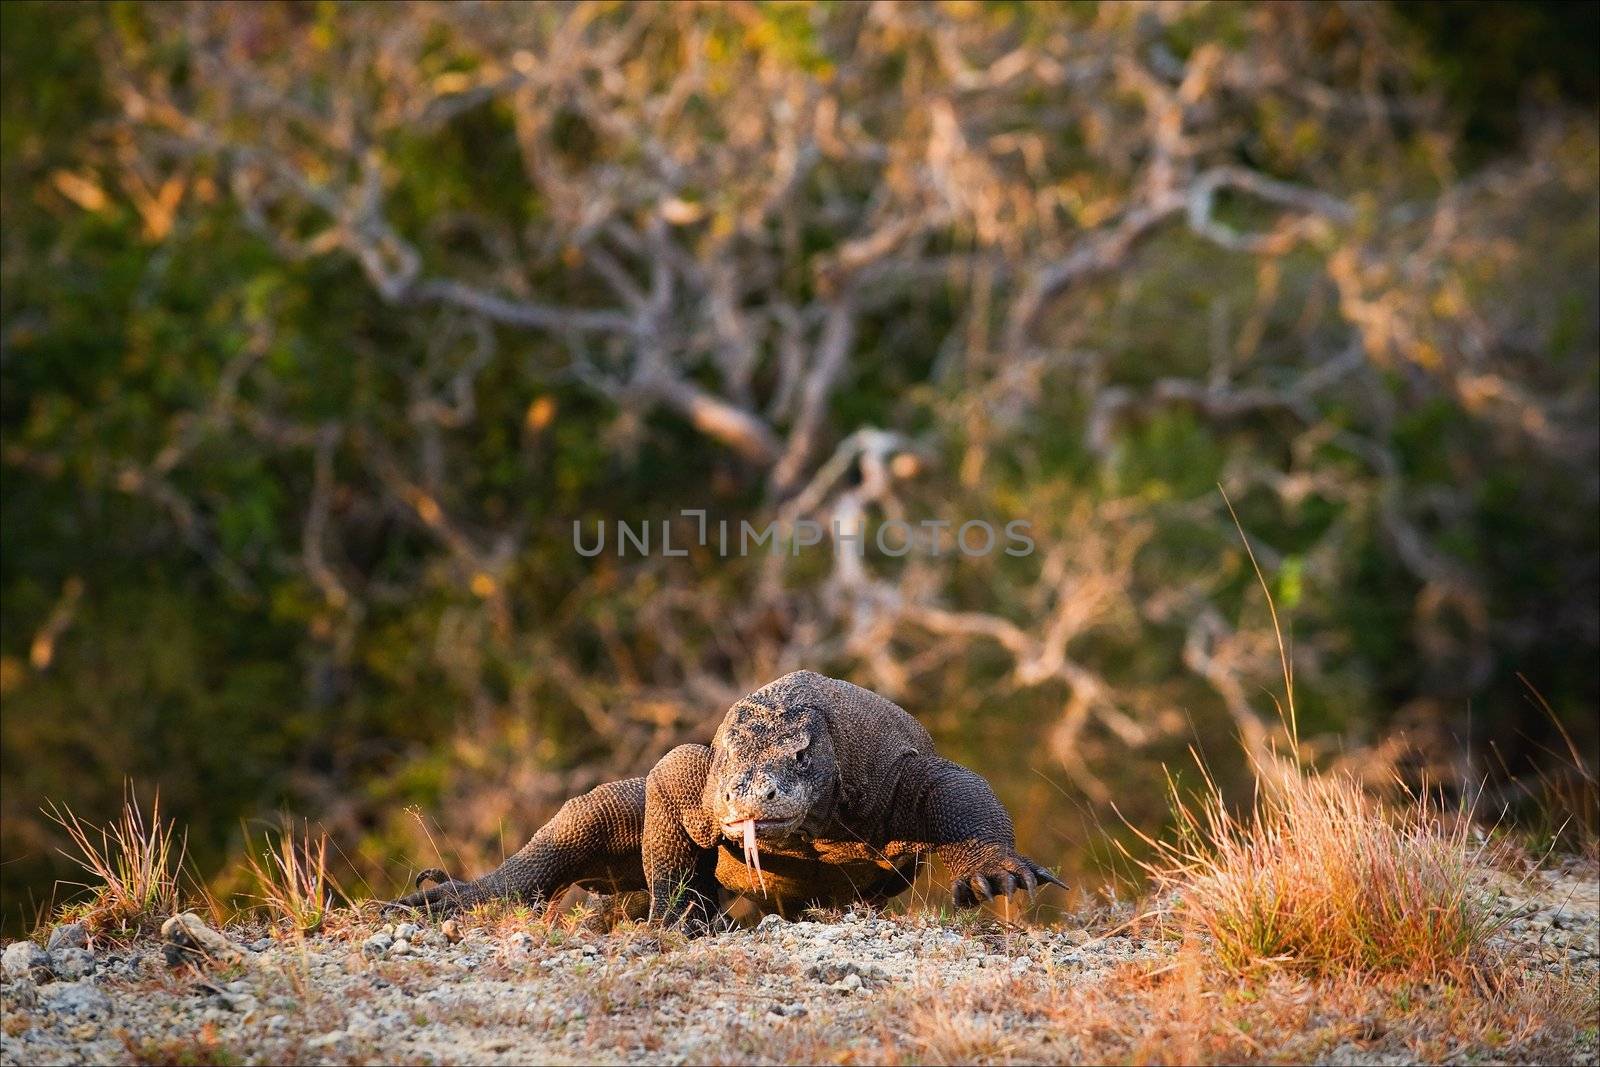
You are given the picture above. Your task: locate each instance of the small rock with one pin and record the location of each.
(242, 1003)
(769, 923)
(277, 1023)
(521, 941)
(1020, 964)
(67, 935)
(262, 944)
(188, 940)
(24, 959)
(20, 994)
(80, 999)
(377, 944)
(451, 930)
(407, 932)
(848, 984)
(401, 947)
(332, 1037)
(1078, 937)
(72, 963)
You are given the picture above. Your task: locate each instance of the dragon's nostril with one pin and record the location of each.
(772, 793)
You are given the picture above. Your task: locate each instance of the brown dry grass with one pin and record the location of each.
(292, 879)
(1320, 875)
(138, 863)
(1188, 1011)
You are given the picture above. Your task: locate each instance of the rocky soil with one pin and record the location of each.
(862, 986)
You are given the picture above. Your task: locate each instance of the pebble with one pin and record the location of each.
(24, 959)
(72, 963)
(332, 1037)
(779, 1012)
(377, 944)
(243, 1003)
(188, 938)
(451, 929)
(18, 995)
(80, 999)
(67, 935)
(407, 932)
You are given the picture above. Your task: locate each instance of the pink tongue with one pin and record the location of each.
(752, 853)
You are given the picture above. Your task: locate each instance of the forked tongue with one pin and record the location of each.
(752, 853)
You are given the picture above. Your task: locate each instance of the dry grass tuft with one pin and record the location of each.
(956, 1037)
(292, 879)
(1319, 875)
(138, 864)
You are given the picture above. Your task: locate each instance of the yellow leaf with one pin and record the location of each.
(81, 190)
(427, 508)
(541, 413)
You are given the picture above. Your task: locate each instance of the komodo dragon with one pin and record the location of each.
(836, 788)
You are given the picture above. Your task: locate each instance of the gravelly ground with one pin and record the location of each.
(861, 987)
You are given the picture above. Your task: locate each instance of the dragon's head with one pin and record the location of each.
(772, 760)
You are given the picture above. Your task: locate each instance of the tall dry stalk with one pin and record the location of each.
(1319, 874)
(292, 879)
(137, 864)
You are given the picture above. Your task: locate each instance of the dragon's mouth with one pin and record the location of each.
(763, 827)
(748, 830)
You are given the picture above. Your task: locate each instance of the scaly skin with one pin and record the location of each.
(850, 799)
